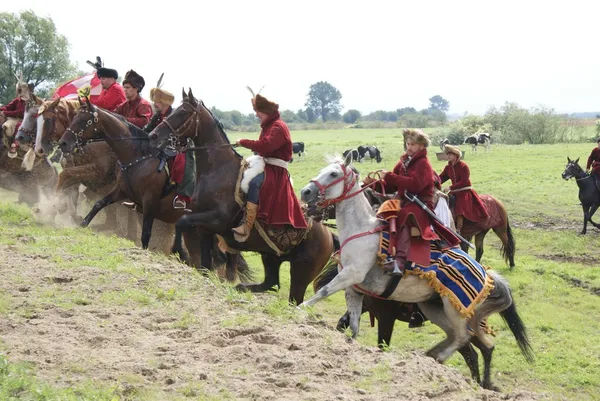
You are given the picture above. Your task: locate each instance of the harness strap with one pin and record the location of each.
(355, 236)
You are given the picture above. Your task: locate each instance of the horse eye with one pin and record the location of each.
(334, 174)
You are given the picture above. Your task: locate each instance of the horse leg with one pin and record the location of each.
(271, 265)
(200, 221)
(348, 276)
(148, 220)
(586, 210)
(113, 196)
(460, 337)
(344, 322)
(479, 244)
(591, 213)
(486, 348)
(385, 327)
(354, 302)
(464, 246)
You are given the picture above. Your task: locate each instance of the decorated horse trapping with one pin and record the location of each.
(453, 273)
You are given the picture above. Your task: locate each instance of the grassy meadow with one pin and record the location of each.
(556, 281)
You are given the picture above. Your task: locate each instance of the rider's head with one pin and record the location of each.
(162, 99)
(107, 76)
(453, 153)
(133, 83)
(264, 108)
(416, 140)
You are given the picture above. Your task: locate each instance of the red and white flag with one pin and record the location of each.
(74, 88)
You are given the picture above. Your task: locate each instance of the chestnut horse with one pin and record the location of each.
(139, 177)
(216, 211)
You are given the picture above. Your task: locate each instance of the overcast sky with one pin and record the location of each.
(379, 54)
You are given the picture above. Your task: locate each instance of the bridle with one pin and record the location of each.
(81, 142)
(175, 134)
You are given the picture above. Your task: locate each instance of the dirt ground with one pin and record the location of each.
(79, 323)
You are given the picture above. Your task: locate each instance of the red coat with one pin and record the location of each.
(277, 201)
(594, 161)
(110, 98)
(416, 177)
(137, 111)
(15, 109)
(468, 204)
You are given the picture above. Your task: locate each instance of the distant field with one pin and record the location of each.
(556, 282)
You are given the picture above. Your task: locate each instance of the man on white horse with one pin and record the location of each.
(414, 174)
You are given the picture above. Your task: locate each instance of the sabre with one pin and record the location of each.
(413, 198)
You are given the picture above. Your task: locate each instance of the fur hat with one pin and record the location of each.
(161, 96)
(134, 79)
(262, 104)
(107, 73)
(452, 149)
(417, 136)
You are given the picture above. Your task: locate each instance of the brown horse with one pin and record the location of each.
(94, 168)
(214, 205)
(498, 222)
(139, 179)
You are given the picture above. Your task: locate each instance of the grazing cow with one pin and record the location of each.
(444, 142)
(482, 139)
(370, 152)
(355, 154)
(298, 149)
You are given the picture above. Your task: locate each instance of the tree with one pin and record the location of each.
(324, 99)
(31, 44)
(302, 115)
(310, 115)
(289, 116)
(438, 103)
(351, 116)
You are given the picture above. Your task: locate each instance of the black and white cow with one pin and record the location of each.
(444, 142)
(482, 139)
(355, 154)
(298, 149)
(370, 152)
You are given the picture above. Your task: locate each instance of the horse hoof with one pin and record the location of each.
(491, 387)
(242, 288)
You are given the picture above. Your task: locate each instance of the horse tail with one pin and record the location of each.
(508, 251)
(501, 294)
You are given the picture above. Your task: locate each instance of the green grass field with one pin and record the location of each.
(556, 282)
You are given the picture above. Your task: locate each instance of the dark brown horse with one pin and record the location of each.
(215, 209)
(498, 222)
(139, 178)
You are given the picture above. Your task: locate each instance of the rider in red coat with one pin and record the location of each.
(594, 163)
(468, 205)
(414, 174)
(112, 93)
(135, 109)
(270, 196)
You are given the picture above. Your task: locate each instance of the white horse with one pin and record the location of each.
(354, 216)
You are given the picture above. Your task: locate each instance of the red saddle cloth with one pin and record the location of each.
(176, 167)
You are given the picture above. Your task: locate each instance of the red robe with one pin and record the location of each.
(277, 202)
(594, 161)
(137, 111)
(468, 204)
(15, 109)
(110, 98)
(417, 178)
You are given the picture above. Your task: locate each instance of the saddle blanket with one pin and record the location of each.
(455, 274)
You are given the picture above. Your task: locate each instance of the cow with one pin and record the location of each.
(443, 143)
(355, 154)
(482, 138)
(370, 152)
(298, 148)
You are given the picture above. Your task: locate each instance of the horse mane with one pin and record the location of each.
(219, 127)
(143, 145)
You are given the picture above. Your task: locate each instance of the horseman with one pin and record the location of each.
(414, 174)
(594, 163)
(184, 168)
(135, 109)
(12, 114)
(112, 93)
(467, 204)
(270, 194)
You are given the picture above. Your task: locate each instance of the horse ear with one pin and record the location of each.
(54, 103)
(190, 94)
(577, 161)
(88, 103)
(183, 94)
(348, 159)
(80, 101)
(568, 159)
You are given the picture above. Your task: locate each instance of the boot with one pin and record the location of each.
(402, 246)
(459, 223)
(242, 232)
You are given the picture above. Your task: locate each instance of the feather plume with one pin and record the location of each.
(159, 83)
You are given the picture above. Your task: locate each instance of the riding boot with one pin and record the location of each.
(402, 247)
(242, 232)
(459, 223)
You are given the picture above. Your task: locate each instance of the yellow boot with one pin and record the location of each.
(242, 232)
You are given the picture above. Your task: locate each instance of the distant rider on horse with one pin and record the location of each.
(135, 109)
(270, 195)
(466, 203)
(12, 114)
(183, 172)
(416, 228)
(112, 94)
(594, 163)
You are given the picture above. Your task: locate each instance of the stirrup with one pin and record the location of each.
(180, 204)
(397, 271)
(130, 205)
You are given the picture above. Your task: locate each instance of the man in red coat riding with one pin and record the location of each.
(594, 163)
(12, 114)
(136, 110)
(467, 204)
(270, 194)
(112, 93)
(414, 174)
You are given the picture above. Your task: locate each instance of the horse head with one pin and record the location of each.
(573, 169)
(332, 183)
(183, 122)
(27, 130)
(83, 128)
(46, 126)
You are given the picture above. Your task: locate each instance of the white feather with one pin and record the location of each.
(28, 160)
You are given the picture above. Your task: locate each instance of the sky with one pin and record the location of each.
(381, 55)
